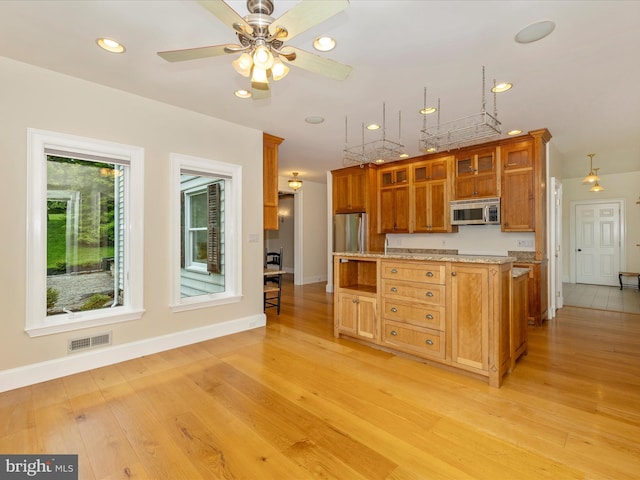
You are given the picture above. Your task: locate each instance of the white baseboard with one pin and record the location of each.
(314, 279)
(88, 360)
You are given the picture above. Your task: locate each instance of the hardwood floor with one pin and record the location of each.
(291, 402)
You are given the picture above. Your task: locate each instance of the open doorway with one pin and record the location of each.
(284, 237)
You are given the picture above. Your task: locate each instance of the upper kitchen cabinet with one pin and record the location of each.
(393, 199)
(354, 191)
(476, 174)
(517, 187)
(350, 189)
(270, 145)
(431, 192)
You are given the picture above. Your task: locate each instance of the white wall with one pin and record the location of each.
(625, 186)
(38, 98)
(310, 230)
(472, 239)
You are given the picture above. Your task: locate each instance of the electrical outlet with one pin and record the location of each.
(525, 243)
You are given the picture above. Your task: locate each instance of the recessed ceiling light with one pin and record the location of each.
(428, 110)
(379, 161)
(324, 44)
(431, 150)
(314, 119)
(373, 126)
(404, 155)
(242, 93)
(502, 87)
(110, 45)
(535, 31)
(514, 132)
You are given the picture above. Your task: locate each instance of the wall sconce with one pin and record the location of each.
(295, 183)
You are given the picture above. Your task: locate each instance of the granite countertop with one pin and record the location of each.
(435, 257)
(518, 272)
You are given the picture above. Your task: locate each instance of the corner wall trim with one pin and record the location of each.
(81, 362)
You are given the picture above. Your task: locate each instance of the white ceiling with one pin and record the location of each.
(581, 82)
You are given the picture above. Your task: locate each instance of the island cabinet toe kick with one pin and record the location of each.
(454, 311)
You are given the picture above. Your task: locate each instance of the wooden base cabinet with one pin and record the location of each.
(518, 318)
(452, 313)
(480, 319)
(357, 315)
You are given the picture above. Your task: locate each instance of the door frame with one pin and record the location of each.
(572, 232)
(556, 297)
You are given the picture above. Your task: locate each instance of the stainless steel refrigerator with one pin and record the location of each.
(350, 232)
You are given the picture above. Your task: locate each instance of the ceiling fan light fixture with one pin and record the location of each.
(259, 75)
(324, 44)
(295, 183)
(279, 69)
(262, 57)
(243, 64)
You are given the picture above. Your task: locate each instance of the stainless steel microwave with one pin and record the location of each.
(479, 211)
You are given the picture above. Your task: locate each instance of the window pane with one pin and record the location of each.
(202, 238)
(199, 246)
(84, 238)
(198, 211)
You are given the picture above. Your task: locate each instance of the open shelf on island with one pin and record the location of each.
(358, 274)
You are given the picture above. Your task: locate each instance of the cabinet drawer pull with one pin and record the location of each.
(429, 316)
(394, 270)
(394, 289)
(394, 333)
(394, 309)
(429, 274)
(429, 294)
(429, 341)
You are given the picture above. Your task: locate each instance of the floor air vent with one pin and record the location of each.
(84, 343)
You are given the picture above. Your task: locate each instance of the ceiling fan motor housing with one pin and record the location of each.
(260, 6)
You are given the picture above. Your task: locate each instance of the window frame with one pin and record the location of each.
(39, 144)
(190, 263)
(232, 175)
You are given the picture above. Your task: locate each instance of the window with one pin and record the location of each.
(84, 234)
(206, 213)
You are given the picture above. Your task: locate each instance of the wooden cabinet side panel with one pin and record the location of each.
(470, 316)
(270, 180)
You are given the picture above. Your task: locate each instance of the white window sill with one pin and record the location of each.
(204, 301)
(79, 320)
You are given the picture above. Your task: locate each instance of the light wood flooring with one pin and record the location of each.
(289, 401)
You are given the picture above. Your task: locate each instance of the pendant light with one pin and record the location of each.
(596, 186)
(592, 177)
(295, 183)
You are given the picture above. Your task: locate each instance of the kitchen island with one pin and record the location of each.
(451, 310)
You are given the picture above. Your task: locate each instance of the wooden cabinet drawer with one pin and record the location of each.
(414, 272)
(428, 293)
(415, 340)
(421, 315)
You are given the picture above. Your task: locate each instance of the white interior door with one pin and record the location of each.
(597, 243)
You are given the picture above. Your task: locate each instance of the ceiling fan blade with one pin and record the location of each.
(193, 53)
(307, 14)
(227, 15)
(317, 64)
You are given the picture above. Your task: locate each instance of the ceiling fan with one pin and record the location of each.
(261, 48)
